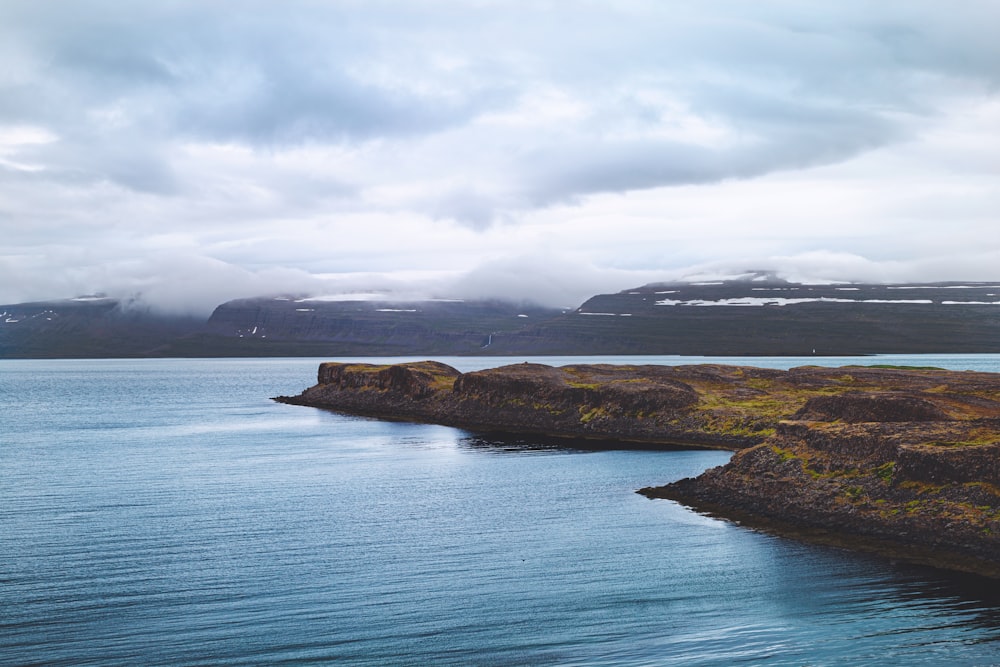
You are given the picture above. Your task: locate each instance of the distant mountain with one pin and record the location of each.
(773, 317)
(103, 328)
(317, 327)
(85, 327)
(761, 315)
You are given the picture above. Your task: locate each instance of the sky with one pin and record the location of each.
(187, 152)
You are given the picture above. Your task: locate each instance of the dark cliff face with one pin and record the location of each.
(936, 464)
(420, 380)
(638, 404)
(576, 401)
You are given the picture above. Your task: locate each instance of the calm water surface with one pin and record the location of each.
(165, 512)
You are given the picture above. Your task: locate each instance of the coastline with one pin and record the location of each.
(900, 461)
(895, 550)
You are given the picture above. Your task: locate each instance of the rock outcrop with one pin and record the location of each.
(914, 473)
(904, 461)
(702, 406)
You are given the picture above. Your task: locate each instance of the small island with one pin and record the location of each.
(902, 461)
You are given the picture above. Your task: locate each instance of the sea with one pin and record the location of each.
(167, 512)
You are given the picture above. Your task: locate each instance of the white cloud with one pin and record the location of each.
(532, 149)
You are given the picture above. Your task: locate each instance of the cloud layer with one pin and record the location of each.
(258, 144)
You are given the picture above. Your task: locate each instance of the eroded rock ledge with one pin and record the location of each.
(699, 406)
(905, 461)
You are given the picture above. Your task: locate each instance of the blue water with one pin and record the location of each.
(165, 512)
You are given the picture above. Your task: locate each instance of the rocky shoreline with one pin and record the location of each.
(901, 461)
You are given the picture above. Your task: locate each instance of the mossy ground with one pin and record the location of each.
(878, 492)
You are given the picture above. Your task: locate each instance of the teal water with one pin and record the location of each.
(165, 512)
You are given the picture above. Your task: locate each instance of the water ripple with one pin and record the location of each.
(213, 527)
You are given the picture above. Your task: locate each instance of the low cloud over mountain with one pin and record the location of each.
(190, 152)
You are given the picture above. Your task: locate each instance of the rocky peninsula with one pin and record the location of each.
(904, 461)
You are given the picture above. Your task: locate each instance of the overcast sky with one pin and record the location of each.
(196, 151)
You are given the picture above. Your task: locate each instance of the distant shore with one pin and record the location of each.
(765, 316)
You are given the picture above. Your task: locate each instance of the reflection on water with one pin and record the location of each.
(500, 443)
(513, 443)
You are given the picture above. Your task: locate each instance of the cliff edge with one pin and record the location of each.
(895, 460)
(695, 406)
(914, 476)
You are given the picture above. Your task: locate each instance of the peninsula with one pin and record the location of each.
(904, 461)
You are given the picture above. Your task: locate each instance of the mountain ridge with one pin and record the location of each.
(759, 315)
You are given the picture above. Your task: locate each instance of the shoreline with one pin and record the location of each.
(899, 461)
(913, 554)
